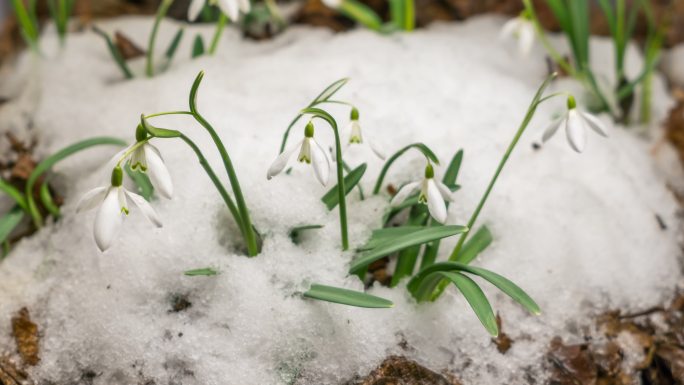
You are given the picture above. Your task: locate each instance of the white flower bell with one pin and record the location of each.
(231, 8)
(433, 193)
(576, 123)
(113, 202)
(356, 137)
(310, 152)
(522, 29)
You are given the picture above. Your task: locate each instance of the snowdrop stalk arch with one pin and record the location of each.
(455, 254)
(237, 207)
(339, 164)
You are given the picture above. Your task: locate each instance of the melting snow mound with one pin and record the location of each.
(577, 231)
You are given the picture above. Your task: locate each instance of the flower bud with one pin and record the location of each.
(117, 177)
(140, 133)
(354, 115)
(429, 171)
(309, 130)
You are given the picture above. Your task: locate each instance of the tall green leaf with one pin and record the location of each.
(476, 298)
(329, 91)
(9, 222)
(116, 54)
(399, 243)
(346, 297)
(332, 198)
(475, 245)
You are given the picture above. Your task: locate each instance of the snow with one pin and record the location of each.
(577, 232)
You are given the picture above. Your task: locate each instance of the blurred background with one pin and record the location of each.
(314, 12)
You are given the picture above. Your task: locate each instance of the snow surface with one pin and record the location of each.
(578, 232)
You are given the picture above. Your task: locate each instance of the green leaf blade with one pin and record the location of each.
(9, 222)
(332, 198)
(476, 299)
(475, 245)
(399, 243)
(329, 91)
(346, 297)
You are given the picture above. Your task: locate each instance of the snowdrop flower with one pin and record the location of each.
(231, 8)
(333, 3)
(145, 157)
(113, 202)
(310, 152)
(576, 123)
(522, 29)
(355, 136)
(433, 193)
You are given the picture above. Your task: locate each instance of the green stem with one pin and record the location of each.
(161, 12)
(217, 182)
(244, 218)
(528, 116)
(220, 25)
(555, 55)
(409, 15)
(341, 189)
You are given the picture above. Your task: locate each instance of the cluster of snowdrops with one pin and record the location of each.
(425, 200)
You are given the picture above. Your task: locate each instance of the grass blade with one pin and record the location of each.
(198, 47)
(380, 236)
(399, 243)
(175, 42)
(329, 91)
(9, 222)
(296, 231)
(362, 14)
(116, 54)
(346, 297)
(475, 245)
(207, 271)
(508, 287)
(46, 199)
(13, 193)
(332, 198)
(476, 298)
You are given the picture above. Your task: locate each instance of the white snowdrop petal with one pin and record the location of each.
(525, 38)
(447, 194)
(108, 219)
(595, 123)
(230, 8)
(91, 199)
(138, 159)
(509, 28)
(158, 173)
(145, 208)
(280, 162)
(320, 162)
(404, 192)
(576, 132)
(245, 6)
(552, 129)
(194, 9)
(435, 202)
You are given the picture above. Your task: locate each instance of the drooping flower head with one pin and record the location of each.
(433, 193)
(310, 152)
(522, 29)
(355, 135)
(113, 208)
(576, 123)
(230, 8)
(147, 158)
